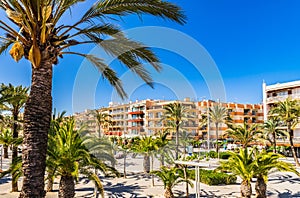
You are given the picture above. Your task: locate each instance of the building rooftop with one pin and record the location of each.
(286, 85)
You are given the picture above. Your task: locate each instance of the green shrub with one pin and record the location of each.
(211, 177)
(224, 155)
(212, 154)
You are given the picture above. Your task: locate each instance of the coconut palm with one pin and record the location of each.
(36, 32)
(288, 111)
(175, 114)
(101, 119)
(243, 165)
(218, 115)
(244, 134)
(71, 158)
(272, 129)
(170, 177)
(17, 97)
(264, 164)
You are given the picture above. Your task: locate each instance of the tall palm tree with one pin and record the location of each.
(71, 158)
(264, 164)
(101, 119)
(175, 114)
(37, 33)
(17, 97)
(272, 129)
(243, 165)
(244, 134)
(218, 115)
(288, 111)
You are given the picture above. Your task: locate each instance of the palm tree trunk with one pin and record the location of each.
(5, 151)
(14, 183)
(99, 130)
(162, 159)
(274, 143)
(186, 183)
(260, 187)
(177, 140)
(124, 170)
(246, 189)
(169, 193)
(66, 187)
(152, 176)
(146, 163)
(37, 119)
(49, 187)
(292, 144)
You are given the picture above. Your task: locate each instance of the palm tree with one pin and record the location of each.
(264, 164)
(71, 158)
(272, 131)
(6, 139)
(17, 97)
(147, 146)
(244, 134)
(175, 114)
(170, 177)
(163, 144)
(101, 119)
(288, 111)
(56, 121)
(37, 33)
(218, 115)
(243, 165)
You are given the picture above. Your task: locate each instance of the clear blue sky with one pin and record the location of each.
(249, 41)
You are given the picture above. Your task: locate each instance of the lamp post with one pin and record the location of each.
(208, 126)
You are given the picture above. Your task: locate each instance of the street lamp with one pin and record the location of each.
(208, 126)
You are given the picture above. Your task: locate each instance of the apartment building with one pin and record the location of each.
(145, 117)
(279, 92)
(239, 113)
(86, 118)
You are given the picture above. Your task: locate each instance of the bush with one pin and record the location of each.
(224, 155)
(211, 177)
(212, 154)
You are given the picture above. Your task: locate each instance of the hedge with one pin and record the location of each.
(211, 177)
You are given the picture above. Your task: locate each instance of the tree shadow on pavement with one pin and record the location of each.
(123, 190)
(287, 194)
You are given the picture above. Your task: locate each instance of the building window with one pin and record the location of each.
(246, 111)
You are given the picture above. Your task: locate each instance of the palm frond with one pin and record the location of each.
(124, 7)
(4, 45)
(106, 72)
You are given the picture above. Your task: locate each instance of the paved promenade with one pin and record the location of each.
(282, 185)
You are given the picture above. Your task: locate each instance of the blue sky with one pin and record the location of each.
(249, 41)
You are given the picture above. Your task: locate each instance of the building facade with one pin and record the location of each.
(279, 92)
(238, 113)
(145, 117)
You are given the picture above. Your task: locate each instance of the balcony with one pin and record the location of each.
(136, 112)
(136, 120)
